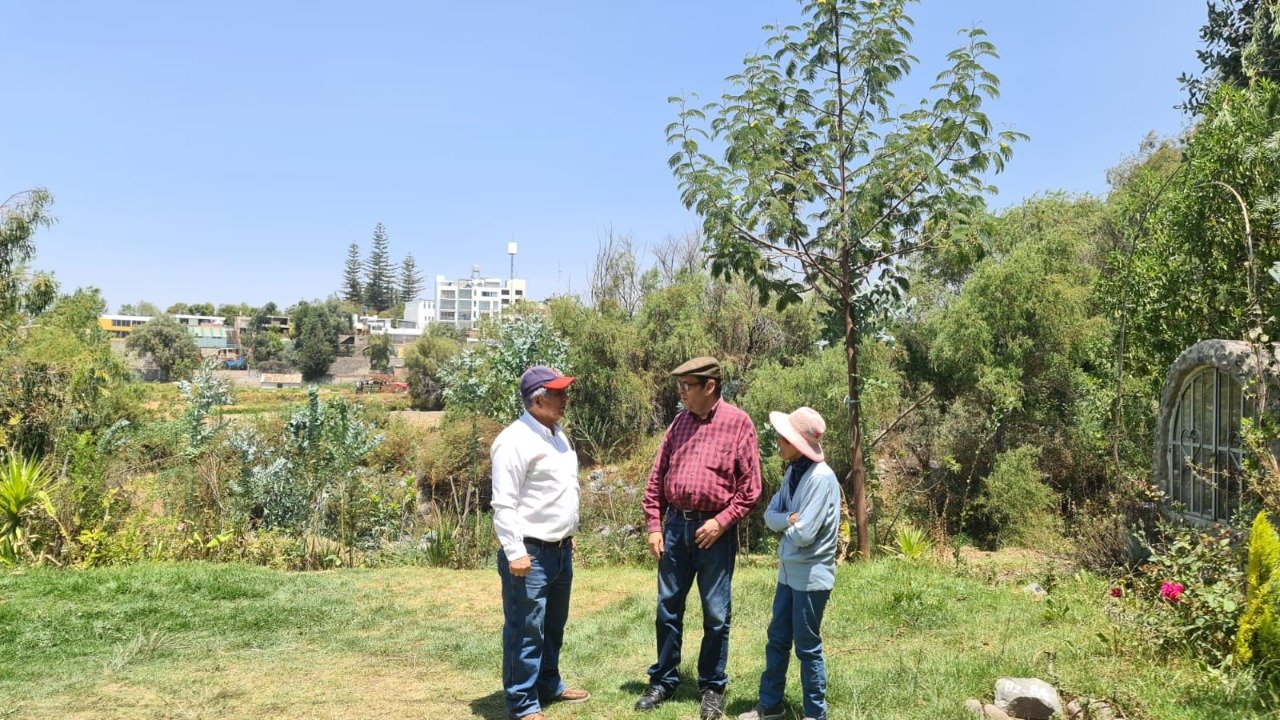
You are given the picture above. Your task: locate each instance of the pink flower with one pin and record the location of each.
(1171, 591)
(1117, 592)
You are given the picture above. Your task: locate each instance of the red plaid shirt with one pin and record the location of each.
(711, 464)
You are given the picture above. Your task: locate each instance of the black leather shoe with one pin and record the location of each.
(712, 705)
(651, 698)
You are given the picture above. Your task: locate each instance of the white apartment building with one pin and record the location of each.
(419, 313)
(464, 302)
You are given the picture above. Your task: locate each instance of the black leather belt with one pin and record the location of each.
(703, 515)
(549, 543)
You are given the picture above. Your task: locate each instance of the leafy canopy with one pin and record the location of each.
(808, 178)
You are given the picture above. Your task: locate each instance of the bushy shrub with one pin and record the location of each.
(1022, 508)
(456, 458)
(312, 480)
(405, 447)
(611, 405)
(1189, 595)
(424, 362)
(486, 379)
(1258, 638)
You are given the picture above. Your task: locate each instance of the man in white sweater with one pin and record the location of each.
(535, 514)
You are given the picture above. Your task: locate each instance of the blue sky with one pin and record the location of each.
(230, 152)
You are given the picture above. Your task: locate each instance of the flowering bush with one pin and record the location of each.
(1189, 594)
(1171, 591)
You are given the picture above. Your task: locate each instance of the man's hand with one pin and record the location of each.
(708, 534)
(656, 545)
(520, 566)
(795, 518)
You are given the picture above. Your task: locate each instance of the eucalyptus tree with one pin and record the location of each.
(821, 185)
(22, 293)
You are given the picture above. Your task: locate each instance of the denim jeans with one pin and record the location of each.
(797, 619)
(682, 562)
(535, 608)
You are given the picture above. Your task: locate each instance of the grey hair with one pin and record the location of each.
(528, 400)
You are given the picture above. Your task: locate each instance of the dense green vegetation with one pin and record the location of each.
(989, 379)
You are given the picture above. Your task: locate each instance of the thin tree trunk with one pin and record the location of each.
(857, 473)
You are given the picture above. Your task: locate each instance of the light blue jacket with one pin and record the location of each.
(807, 554)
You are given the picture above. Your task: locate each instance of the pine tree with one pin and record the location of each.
(351, 289)
(410, 280)
(379, 288)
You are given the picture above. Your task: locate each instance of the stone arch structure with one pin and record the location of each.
(1198, 453)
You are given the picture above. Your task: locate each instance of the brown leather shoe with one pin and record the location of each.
(573, 695)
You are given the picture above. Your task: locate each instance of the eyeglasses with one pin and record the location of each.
(682, 386)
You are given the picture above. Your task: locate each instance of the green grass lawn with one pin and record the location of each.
(227, 641)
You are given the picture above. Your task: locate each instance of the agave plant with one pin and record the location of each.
(911, 543)
(22, 494)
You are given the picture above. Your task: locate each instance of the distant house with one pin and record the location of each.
(278, 323)
(280, 380)
(119, 326)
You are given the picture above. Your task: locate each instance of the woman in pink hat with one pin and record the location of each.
(806, 510)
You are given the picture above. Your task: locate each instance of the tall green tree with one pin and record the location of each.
(170, 346)
(316, 326)
(410, 280)
(352, 290)
(379, 287)
(22, 293)
(380, 352)
(1202, 236)
(424, 363)
(1241, 46)
(819, 183)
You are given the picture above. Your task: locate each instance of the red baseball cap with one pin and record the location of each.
(541, 376)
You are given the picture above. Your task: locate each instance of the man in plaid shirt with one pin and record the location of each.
(705, 478)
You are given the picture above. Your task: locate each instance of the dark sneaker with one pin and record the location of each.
(652, 697)
(712, 705)
(760, 712)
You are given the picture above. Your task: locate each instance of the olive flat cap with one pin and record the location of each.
(707, 367)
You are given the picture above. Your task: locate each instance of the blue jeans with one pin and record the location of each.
(797, 619)
(535, 608)
(683, 561)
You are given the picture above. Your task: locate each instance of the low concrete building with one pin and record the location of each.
(280, 380)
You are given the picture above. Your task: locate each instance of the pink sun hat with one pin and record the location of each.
(803, 428)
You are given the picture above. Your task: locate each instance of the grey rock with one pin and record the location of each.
(1027, 698)
(1035, 590)
(974, 706)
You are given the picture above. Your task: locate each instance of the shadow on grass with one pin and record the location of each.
(688, 690)
(490, 707)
